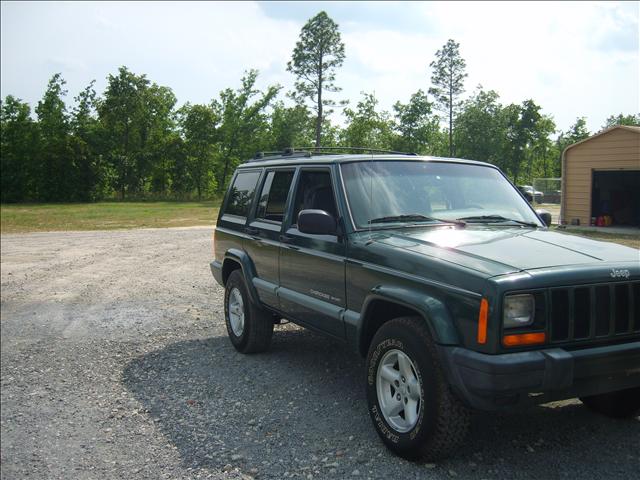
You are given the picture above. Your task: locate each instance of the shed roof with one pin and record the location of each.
(603, 132)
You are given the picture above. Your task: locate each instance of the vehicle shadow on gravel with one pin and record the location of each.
(301, 407)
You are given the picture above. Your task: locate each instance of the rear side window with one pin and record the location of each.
(273, 198)
(241, 193)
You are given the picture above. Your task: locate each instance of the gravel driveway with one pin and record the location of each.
(116, 364)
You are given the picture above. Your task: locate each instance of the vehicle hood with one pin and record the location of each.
(501, 250)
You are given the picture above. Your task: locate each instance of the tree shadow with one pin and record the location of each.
(304, 401)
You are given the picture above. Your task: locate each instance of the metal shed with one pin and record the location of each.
(601, 177)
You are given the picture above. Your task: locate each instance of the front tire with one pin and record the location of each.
(620, 404)
(249, 327)
(412, 407)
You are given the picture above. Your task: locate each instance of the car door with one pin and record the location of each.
(264, 228)
(312, 267)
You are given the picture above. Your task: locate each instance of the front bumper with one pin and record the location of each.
(494, 382)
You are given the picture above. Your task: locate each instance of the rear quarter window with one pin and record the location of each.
(241, 193)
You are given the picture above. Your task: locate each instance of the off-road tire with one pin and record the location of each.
(443, 421)
(620, 404)
(258, 324)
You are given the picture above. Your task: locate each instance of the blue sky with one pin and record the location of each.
(574, 59)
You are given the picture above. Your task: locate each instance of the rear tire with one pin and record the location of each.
(620, 404)
(430, 425)
(250, 328)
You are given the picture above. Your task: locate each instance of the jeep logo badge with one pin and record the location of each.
(618, 273)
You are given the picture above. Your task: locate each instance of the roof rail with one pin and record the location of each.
(298, 152)
(354, 149)
(286, 153)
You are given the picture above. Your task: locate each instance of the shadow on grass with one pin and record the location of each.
(306, 397)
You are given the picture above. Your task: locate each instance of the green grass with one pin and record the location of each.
(21, 218)
(622, 239)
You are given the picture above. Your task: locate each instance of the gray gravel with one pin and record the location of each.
(115, 364)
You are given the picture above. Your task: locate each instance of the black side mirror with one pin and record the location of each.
(316, 222)
(545, 216)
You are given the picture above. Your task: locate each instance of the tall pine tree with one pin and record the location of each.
(448, 82)
(316, 56)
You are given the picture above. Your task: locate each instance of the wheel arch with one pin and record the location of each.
(235, 259)
(386, 303)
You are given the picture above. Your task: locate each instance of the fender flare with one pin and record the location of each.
(433, 310)
(248, 270)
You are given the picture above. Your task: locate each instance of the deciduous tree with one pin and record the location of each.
(621, 119)
(480, 128)
(243, 122)
(416, 126)
(367, 127)
(18, 141)
(56, 179)
(199, 128)
(290, 127)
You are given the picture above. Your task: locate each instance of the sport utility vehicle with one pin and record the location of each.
(442, 275)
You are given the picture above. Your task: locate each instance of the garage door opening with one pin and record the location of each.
(616, 194)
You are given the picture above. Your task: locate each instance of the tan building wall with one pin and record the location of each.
(615, 149)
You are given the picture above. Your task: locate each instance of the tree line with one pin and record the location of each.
(133, 141)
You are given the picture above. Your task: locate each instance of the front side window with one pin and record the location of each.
(273, 198)
(314, 192)
(385, 191)
(241, 193)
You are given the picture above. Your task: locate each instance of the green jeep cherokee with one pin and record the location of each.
(442, 275)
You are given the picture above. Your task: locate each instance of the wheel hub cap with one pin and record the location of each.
(235, 307)
(399, 391)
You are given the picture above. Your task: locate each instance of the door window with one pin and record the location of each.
(273, 198)
(314, 192)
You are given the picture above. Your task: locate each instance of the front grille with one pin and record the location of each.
(594, 312)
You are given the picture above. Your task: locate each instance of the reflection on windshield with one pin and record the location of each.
(447, 191)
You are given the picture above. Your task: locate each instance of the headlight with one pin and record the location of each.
(518, 311)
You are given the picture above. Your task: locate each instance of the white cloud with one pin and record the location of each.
(574, 59)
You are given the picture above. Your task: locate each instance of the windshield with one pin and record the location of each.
(402, 192)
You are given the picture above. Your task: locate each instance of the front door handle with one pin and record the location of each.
(287, 239)
(252, 231)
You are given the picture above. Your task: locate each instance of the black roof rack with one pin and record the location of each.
(298, 152)
(353, 149)
(286, 153)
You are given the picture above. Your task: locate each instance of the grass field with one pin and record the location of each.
(23, 218)
(628, 240)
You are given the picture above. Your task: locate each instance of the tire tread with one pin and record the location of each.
(453, 417)
(259, 324)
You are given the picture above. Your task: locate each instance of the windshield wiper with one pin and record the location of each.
(412, 217)
(495, 219)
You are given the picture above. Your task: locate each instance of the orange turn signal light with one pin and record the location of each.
(482, 321)
(524, 339)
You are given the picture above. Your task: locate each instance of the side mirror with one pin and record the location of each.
(545, 216)
(316, 222)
